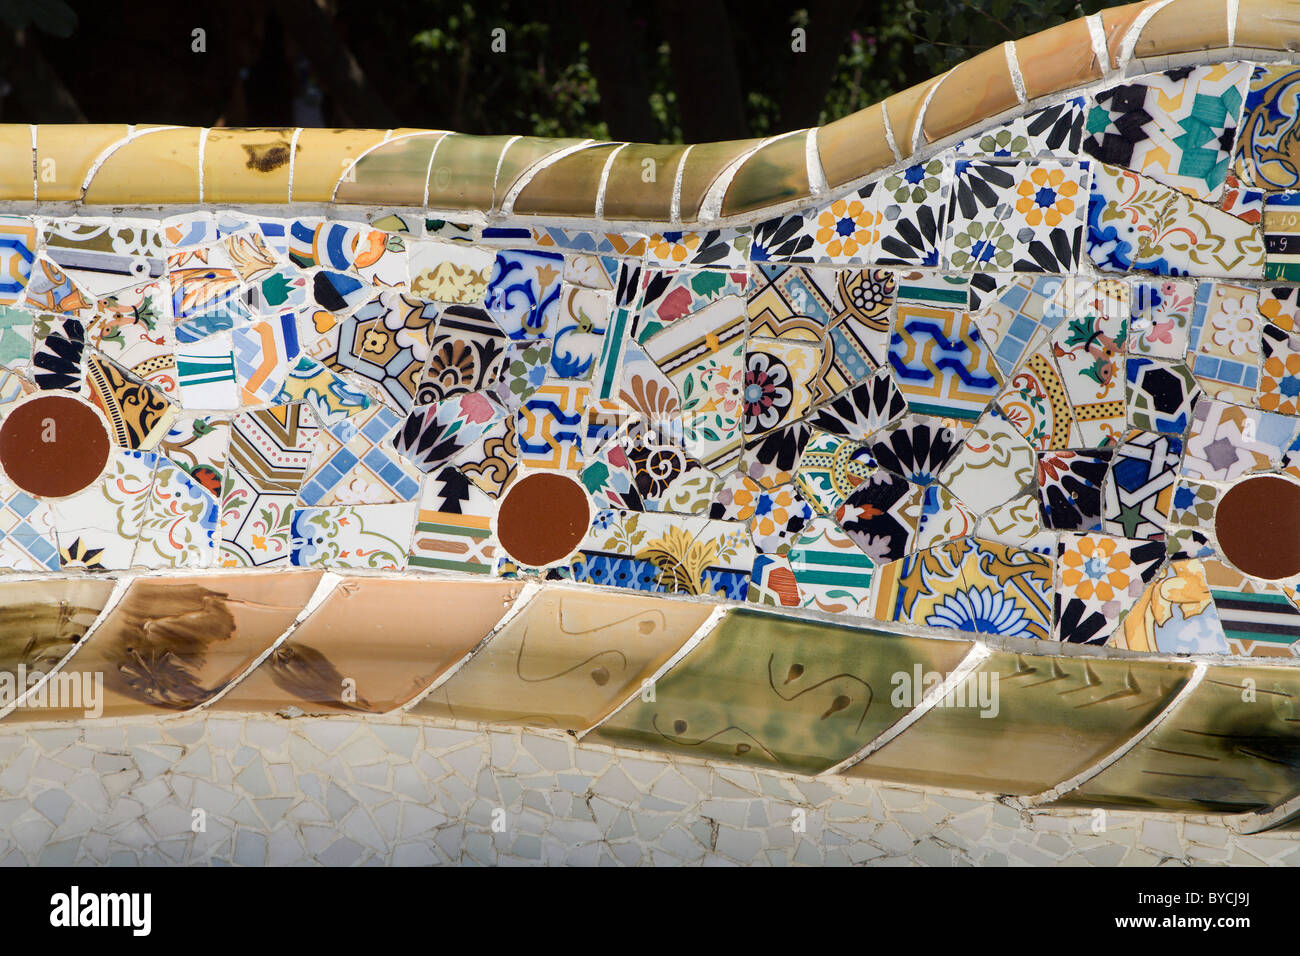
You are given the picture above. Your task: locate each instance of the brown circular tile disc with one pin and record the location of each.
(53, 446)
(542, 519)
(1258, 527)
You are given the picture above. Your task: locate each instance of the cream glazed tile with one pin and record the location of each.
(179, 526)
(98, 527)
(1019, 522)
(377, 537)
(994, 464)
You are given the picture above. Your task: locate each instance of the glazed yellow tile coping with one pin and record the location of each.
(1268, 24)
(974, 90)
(904, 112)
(562, 178)
(463, 171)
(847, 144)
(65, 155)
(527, 156)
(701, 169)
(247, 165)
(158, 165)
(568, 188)
(323, 157)
(16, 162)
(640, 181)
(1184, 26)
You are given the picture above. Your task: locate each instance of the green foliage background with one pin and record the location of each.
(592, 68)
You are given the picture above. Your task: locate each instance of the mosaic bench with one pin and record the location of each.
(954, 443)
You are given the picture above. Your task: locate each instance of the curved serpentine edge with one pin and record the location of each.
(1077, 725)
(805, 694)
(628, 183)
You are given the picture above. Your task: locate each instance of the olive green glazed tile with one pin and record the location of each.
(777, 173)
(1232, 745)
(640, 183)
(704, 164)
(393, 174)
(464, 170)
(521, 156)
(1022, 724)
(567, 660)
(567, 187)
(776, 692)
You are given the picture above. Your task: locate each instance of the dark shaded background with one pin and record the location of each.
(655, 70)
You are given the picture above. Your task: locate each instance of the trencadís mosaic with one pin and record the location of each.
(1038, 388)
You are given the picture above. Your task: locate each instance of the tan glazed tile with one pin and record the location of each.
(1184, 26)
(854, 146)
(1057, 59)
(172, 643)
(372, 645)
(972, 91)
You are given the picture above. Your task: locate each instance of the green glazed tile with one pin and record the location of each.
(777, 173)
(1023, 724)
(1232, 745)
(776, 692)
(464, 170)
(393, 174)
(640, 183)
(519, 157)
(704, 164)
(568, 186)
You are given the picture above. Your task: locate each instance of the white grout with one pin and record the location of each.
(675, 209)
(203, 148)
(817, 185)
(604, 179)
(1097, 33)
(293, 158)
(889, 133)
(1013, 67)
